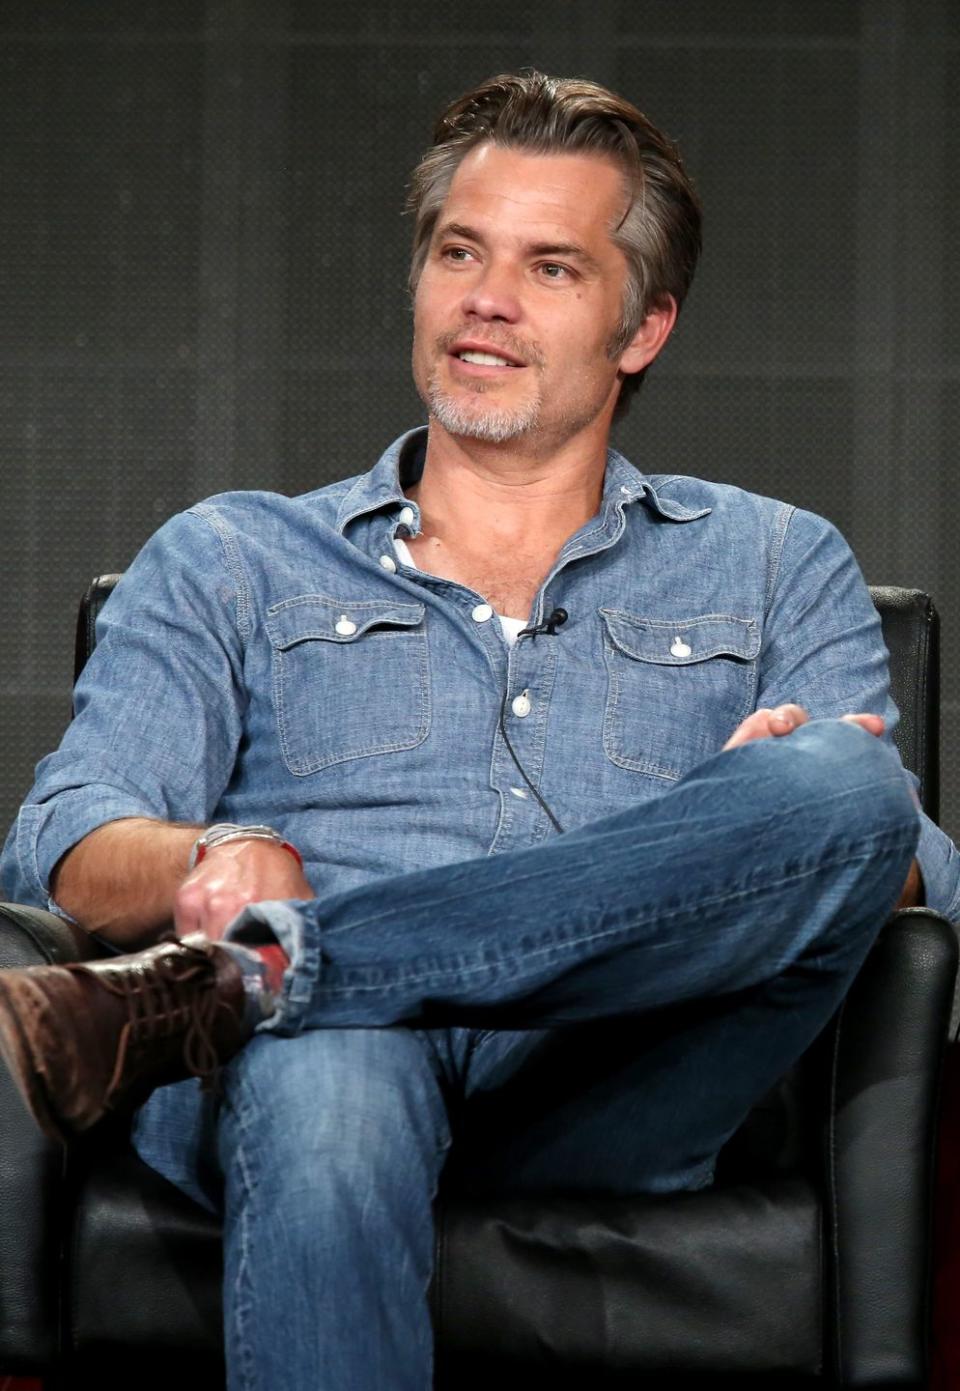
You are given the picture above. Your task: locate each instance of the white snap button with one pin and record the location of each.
(482, 613)
(388, 563)
(520, 792)
(520, 705)
(679, 648)
(345, 627)
(406, 516)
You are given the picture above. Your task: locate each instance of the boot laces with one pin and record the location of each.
(167, 997)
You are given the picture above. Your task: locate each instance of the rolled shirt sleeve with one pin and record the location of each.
(823, 649)
(159, 706)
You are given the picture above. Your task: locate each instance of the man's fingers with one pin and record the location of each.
(187, 914)
(196, 909)
(873, 724)
(764, 723)
(755, 726)
(786, 718)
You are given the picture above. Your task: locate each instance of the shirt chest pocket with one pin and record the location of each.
(350, 679)
(676, 689)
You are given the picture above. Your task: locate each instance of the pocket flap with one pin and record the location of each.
(313, 616)
(680, 642)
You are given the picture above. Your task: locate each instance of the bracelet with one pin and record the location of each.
(223, 831)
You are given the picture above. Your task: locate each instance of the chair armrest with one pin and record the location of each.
(34, 937)
(31, 1169)
(887, 1054)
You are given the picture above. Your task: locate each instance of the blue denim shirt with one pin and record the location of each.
(271, 659)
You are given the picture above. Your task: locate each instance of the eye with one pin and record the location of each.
(459, 255)
(553, 270)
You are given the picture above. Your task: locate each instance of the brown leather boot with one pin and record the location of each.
(81, 1040)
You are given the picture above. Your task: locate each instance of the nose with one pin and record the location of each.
(493, 295)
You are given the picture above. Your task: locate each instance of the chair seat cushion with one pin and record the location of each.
(727, 1279)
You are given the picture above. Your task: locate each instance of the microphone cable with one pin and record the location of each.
(549, 626)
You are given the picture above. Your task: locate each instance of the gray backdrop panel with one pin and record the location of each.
(202, 269)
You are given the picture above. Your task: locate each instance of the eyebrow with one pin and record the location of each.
(546, 248)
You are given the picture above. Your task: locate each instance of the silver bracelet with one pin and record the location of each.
(223, 831)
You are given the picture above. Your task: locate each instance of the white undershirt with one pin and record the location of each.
(509, 626)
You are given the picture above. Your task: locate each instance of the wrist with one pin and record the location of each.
(225, 832)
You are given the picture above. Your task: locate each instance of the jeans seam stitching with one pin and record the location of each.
(242, 1306)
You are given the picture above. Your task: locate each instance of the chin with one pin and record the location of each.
(477, 417)
(489, 425)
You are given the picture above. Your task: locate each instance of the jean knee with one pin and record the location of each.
(857, 776)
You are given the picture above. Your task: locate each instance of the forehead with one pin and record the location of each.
(537, 196)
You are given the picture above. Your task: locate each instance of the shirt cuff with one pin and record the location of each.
(47, 830)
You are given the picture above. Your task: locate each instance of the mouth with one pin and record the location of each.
(483, 359)
(484, 356)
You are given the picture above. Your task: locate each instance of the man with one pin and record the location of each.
(497, 740)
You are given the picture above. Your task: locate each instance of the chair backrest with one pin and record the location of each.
(911, 631)
(97, 593)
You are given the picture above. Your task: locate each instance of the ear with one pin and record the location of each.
(650, 336)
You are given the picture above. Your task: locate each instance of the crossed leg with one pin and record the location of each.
(780, 858)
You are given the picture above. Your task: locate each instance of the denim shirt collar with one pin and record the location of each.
(402, 464)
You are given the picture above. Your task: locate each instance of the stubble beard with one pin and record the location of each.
(471, 412)
(477, 419)
(468, 414)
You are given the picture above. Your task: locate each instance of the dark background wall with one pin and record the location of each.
(202, 269)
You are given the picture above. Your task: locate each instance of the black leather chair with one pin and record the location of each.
(807, 1263)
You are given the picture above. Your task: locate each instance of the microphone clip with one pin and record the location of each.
(550, 624)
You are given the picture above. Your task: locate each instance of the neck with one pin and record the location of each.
(507, 495)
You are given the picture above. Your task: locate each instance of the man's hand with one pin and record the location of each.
(228, 878)
(784, 719)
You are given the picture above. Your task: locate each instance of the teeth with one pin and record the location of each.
(484, 359)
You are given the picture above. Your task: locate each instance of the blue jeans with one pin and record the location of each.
(597, 1013)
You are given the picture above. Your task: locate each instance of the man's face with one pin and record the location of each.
(521, 296)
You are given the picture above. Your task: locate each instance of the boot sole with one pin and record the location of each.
(16, 1052)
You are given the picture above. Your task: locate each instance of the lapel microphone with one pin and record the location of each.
(550, 624)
